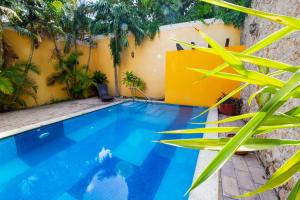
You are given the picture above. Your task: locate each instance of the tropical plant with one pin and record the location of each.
(77, 79)
(14, 86)
(118, 18)
(75, 23)
(100, 78)
(133, 81)
(49, 14)
(175, 11)
(5, 14)
(264, 121)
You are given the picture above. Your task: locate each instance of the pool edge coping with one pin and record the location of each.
(22, 129)
(210, 189)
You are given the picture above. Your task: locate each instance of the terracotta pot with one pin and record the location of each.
(228, 109)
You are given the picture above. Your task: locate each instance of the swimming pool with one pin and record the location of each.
(108, 154)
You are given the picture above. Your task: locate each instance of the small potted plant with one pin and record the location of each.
(231, 106)
(133, 82)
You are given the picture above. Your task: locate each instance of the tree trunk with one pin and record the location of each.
(1, 46)
(57, 51)
(116, 81)
(29, 59)
(89, 56)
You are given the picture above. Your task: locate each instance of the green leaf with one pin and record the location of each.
(252, 144)
(228, 57)
(247, 58)
(266, 62)
(249, 129)
(252, 96)
(6, 86)
(9, 13)
(294, 112)
(256, 47)
(281, 19)
(295, 193)
(281, 119)
(230, 119)
(259, 130)
(252, 77)
(203, 130)
(58, 5)
(281, 176)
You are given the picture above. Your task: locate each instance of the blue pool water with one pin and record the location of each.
(108, 154)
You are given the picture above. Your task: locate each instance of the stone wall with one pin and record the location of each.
(286, 50)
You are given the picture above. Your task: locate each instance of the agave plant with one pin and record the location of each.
(264, 121)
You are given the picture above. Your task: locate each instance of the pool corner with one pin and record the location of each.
(210, 189)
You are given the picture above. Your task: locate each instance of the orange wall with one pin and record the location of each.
(180, 82)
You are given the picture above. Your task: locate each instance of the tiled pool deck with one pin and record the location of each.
(240, 174)
(22, 120)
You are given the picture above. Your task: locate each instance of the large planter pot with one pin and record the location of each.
(228, 109)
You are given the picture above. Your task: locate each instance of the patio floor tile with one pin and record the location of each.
(230, 186)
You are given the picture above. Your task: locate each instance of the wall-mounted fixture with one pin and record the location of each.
(253, 29)
(227, 42)
(193, 43)
(179, 47)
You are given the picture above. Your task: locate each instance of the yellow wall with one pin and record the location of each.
(184, 86)
(149, 59)
(43, 58)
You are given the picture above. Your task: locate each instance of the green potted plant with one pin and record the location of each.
(230, 107)
(133, 81)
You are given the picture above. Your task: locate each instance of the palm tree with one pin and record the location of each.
(14, 83)
(118, 19)
(77, 79)
(75, 22)
(6, 86)
(5, 14)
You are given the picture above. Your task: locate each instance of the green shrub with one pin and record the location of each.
(77, 79)
(100, 77)
(131, 80)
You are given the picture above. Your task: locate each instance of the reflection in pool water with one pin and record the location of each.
(104, 155)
